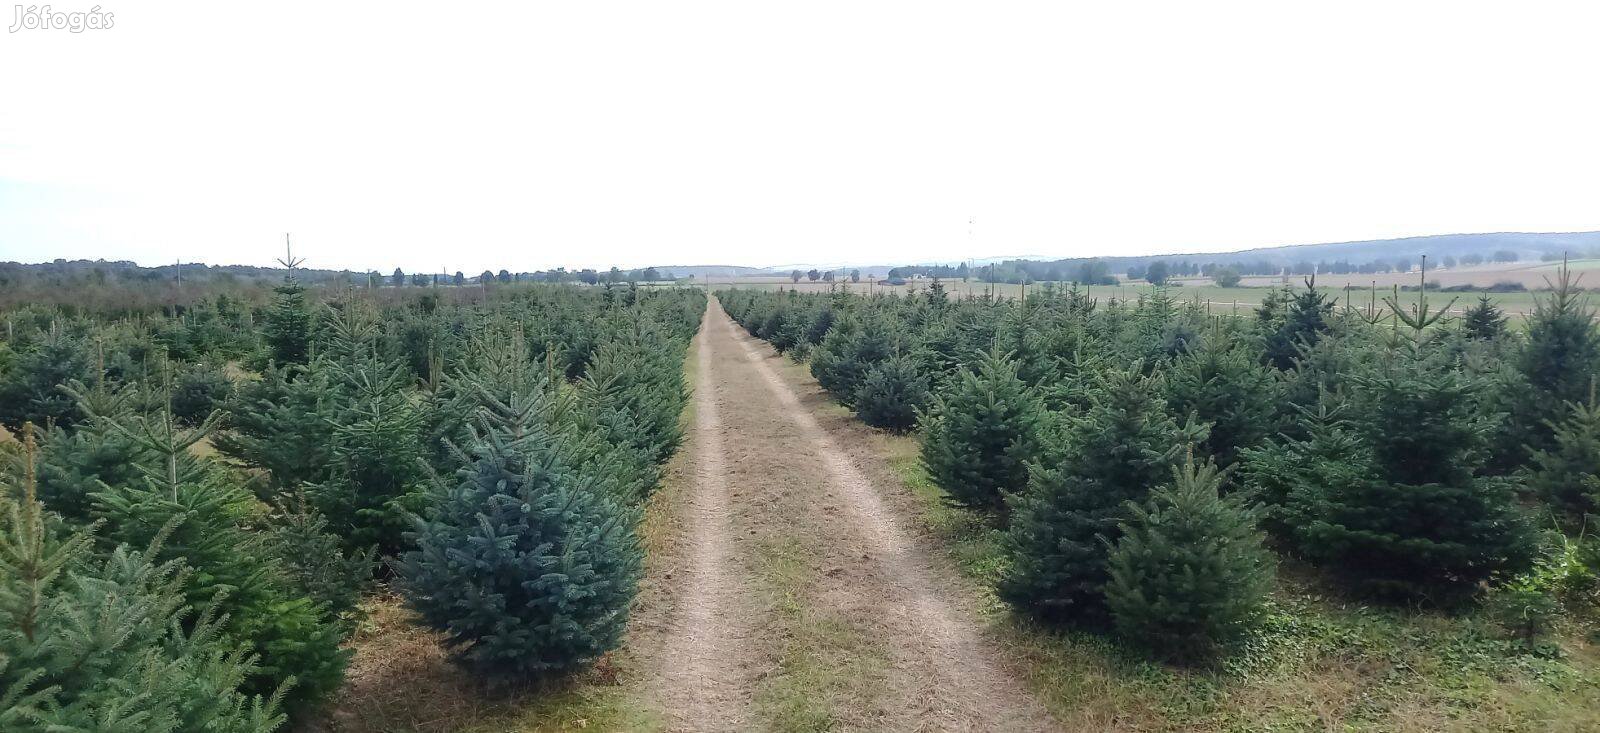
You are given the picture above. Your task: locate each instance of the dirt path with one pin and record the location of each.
(805, 603)
(705, 675)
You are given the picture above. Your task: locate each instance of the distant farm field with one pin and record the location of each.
(1219, 300)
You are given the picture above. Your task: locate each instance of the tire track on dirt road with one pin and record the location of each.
(943, 674)
(704, 678)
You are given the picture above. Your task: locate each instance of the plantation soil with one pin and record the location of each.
(796, 595)
(709, 660)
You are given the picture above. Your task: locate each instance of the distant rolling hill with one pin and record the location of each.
(1527, 245)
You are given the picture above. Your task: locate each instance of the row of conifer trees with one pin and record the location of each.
(1148, 461)
(197, 500)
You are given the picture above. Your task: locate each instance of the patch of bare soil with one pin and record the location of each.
(401, 679)
(705, 670)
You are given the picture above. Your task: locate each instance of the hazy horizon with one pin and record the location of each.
(530, 137)
(300, 254)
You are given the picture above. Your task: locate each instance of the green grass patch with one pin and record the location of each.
(1576, 265)
(825, 665)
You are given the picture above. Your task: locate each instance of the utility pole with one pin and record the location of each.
(972, 229)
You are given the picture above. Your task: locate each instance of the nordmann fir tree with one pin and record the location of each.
(1222, 384)
(848, 352)
(1189, 574)
(74, 464)
(595, 445)
(283, 424)
(375, 474)
(637, 388)
(1484, 321)
(1420, 522)
(89, 643)
(1063, 527)
(621, 418)
(892, 395)
(28, 387)
(1560, 360)
(315, 563)
(202, 516)
(1329, 453)
(1567, 475)
(1018, 335)
(1302, 323)
(287, 329)
(786, 330)
(770, 326)
(594, 427)
(197, 391)
(979, 436)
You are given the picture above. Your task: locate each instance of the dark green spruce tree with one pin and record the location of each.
(841, 362)
(892, 395)
(30, 386)
(1062, 528)
(1424, 523)
(375, 473)
(1567, 475)
(287, 329)
(1223, 385)
(1304, 319)
(1484, 321)
(1189, 575)
(978, 437)
(1560, 361)
(283, 424)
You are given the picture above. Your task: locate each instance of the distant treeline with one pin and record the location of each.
(123, 287)
(1087, 272)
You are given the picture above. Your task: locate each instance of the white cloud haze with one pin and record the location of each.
(539, 134)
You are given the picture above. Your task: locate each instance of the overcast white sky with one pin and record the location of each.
(595, 133)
